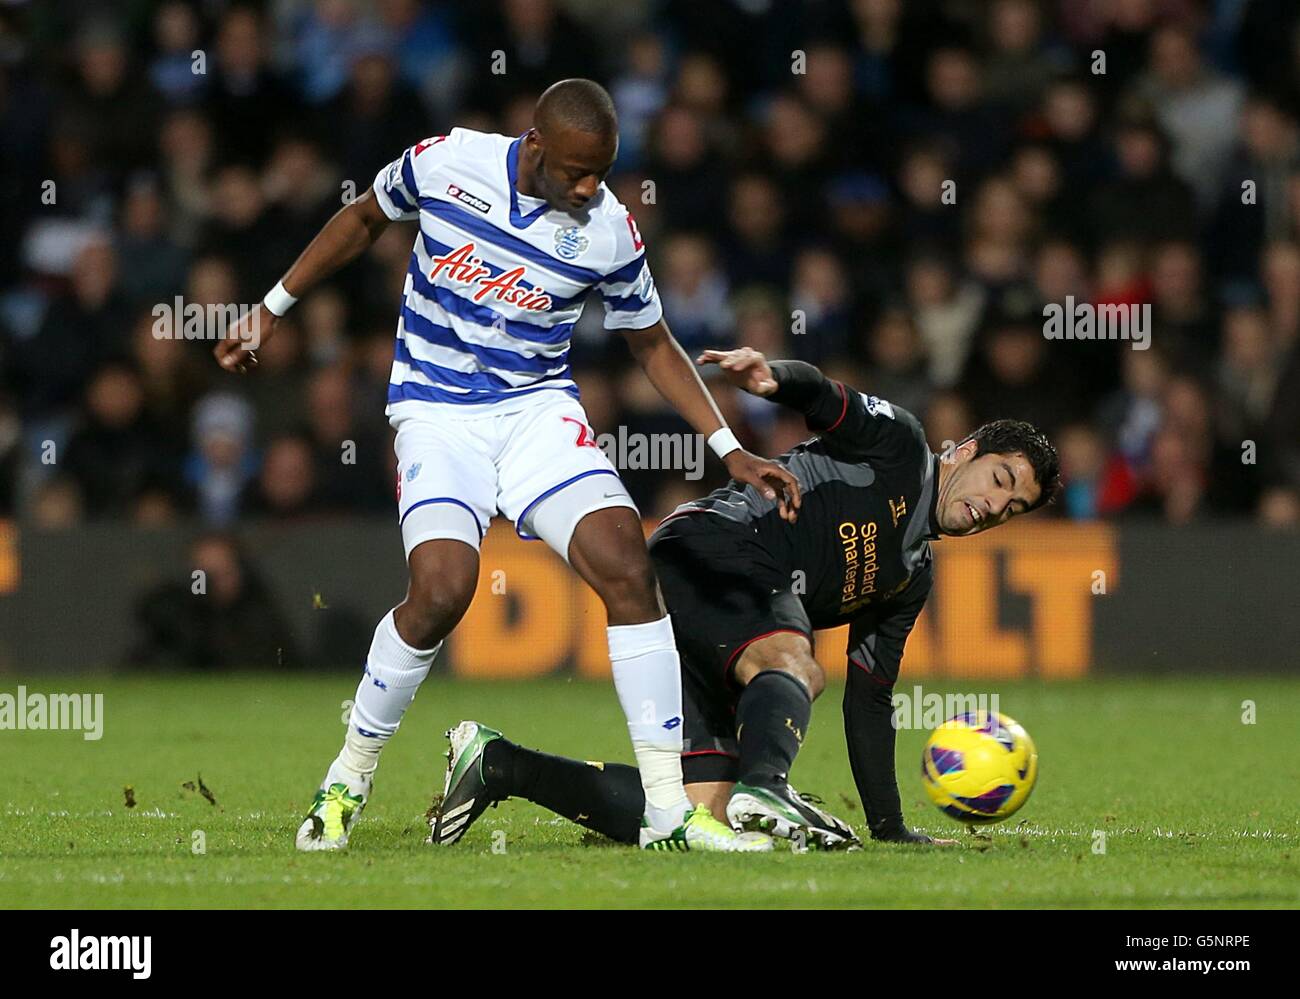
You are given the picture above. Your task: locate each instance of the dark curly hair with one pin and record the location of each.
(1019, 437)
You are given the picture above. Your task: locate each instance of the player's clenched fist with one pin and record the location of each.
(745, 367)
(237, 352)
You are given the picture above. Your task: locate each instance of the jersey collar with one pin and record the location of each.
(933, 531)
(517, 218)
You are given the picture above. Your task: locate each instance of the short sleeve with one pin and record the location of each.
(628, 292)
(396, 188)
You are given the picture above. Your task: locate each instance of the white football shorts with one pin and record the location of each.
(535, 460)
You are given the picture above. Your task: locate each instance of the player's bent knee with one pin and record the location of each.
(814, 677)
(630, 587)
(424, 620)
(787, 652)
(804, 669)
(611, 556)
(444, 575)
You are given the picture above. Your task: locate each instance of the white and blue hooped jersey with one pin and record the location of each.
(497, 279)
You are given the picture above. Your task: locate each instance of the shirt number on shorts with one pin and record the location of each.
(586, 437)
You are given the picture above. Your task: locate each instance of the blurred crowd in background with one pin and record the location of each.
(787, 165)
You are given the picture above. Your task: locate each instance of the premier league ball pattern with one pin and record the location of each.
(979, 767)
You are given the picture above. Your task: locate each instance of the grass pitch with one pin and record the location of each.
(1198, 809)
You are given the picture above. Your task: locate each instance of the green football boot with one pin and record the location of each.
(701, 832)
(464, 794)
(334, 810)
(784, 812)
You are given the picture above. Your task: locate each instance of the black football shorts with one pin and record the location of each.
(724, 591)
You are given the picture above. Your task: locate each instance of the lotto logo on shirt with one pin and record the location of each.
(465, 198)
(461, 266)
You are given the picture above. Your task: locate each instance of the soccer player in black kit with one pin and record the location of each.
(746, 590)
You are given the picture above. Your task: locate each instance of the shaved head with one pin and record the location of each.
(571, 147)
(580, 105)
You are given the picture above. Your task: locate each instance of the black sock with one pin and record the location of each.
(771, 721)
(606, 797)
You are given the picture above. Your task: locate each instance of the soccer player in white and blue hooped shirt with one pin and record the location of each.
(513, 235)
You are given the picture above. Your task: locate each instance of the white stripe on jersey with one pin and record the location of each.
(411, 375)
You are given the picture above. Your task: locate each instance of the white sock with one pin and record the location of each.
(394, 672)
(648, 678)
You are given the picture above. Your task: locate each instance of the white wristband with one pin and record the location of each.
(723, 442)
(278, 301)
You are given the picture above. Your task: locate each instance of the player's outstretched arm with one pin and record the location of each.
(875, 651)
(860, 426)
(341, 240)
(826, 405)
(670, 371)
